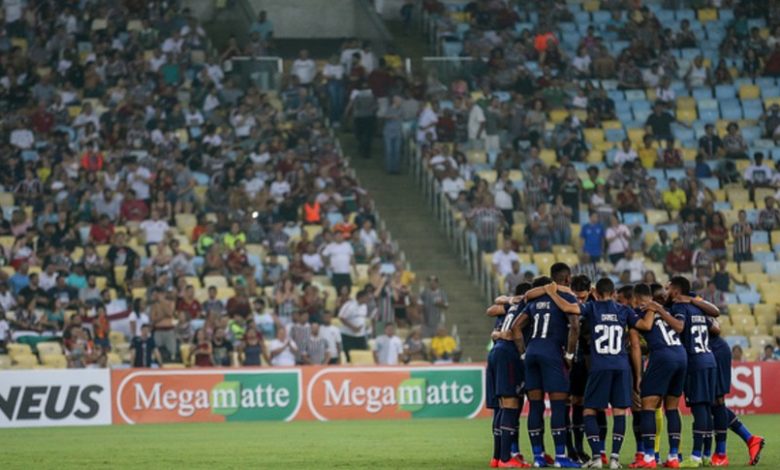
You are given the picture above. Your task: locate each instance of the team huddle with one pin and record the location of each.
(592, 348)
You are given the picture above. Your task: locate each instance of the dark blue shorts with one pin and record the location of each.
(663, 377)
(578, 378)
(608, 387)
(723, 384)
(506, 374)
(547, 373)
(701, 385)
(491, 401)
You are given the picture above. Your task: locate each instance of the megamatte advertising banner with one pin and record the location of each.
(134, 396)
(308, 393)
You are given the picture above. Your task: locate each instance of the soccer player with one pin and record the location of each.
(724, 418)
(609, 379)
(500, 363)
(578, 377)
(664, 376)
(701, 377)
(549, 353)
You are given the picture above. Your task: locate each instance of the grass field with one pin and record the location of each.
(435, 444)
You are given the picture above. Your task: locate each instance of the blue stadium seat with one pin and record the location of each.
(689, 53)
(721, 205)
(633, 218)
(635, 95)
(665, 17)
(615, 135)
(772, 91)
(731, 113)
(772, 267)
(725, 15)
(738, 340)
(601, 17)
(753, 132)
(750, 298)
(683, 133)
(616, 95)
(765, 82)
(529, 267)
(686, 14)
(706, 103)
(709, 115)
(760, 236)
(582, 17)
(751, 109)
(764, 256)
(731, 298)
(701, 93)
(642, 105)
(452, 48)
(711, 183)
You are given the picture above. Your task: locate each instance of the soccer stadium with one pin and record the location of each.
(389, 233)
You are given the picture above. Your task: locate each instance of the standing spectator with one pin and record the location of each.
(660, 248)
(713, 295)
(393, 135)
(742, 232)
(718, 235)
(221, 348)
(283, 349)
(504, 258)
(388, 349)
(513, 278)
(251, 349)
(363, 106)
(340, 258)
(332, 336)
(316, 352)
(592, 235)
(768, 354)
(561, 216)
(201, 350)
(635, 267)
(476, 125)
(769, 217)
(434, 302)
(486, 220)
(354, 323)
(304, 68)
(262, 26)
(618, 239)
(144, 349)
(678, 260)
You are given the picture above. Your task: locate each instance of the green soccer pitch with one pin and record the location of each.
(434, 444)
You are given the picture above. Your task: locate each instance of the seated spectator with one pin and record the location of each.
(733, 143)
(678, 260)
(625, 153)
(769, 216)
(504, 258)
(388, 348)
(443, 347)
(711, 294)
(674, 198)
(670, 157)
(758, 175)
(282, 349)
(710, 144)
(736, 354)
(659, 123)
(634, 267)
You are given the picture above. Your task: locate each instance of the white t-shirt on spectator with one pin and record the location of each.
(156, 62)
(620, 243)
(139, 182)
(758, 174)
(313, 261)
(621, 156)
(47, 281)
(357, 315)
(339, 256)
(4, 329)
(287, 356)
(7, 301)
(154, 230)
(172, 45)
(453, 186)
(332, 336)
(22, 138)
(140, 320)
(634, 266)
(476, 119)
(503, 260)
(305, 70)
(333, 71)
(503, 200)
(388, 348)
(279, 189)
(369, 238)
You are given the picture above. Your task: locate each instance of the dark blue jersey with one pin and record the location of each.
(662, 340)
(549, 325)
(508, 320)
(718, 345)
(695, 335)
(608, 322)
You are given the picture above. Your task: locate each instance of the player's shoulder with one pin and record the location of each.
(567, 296)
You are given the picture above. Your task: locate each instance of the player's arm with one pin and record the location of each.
(574, 336)
(495, 310)
(517, 335)
(706, 307)
(635, 354)
(675, 323)
(646, 322)
(567, 307)
(714, 328)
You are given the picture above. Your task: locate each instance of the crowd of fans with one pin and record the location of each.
(159, 208)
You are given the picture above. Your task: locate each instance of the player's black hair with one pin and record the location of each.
(542, 281)
(522, 288)
(655, 287)
(626, 291)
(642, 290)
(605, 286)
(580, 283)
(559, 272)
(682, 283)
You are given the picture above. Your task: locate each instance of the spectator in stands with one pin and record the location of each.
(768, 354)
(710, 144)
(659, 123)
(674, 198)
(340, 258)
(332, 336)
(144, 350)
(282, 349)
(670, 157)
(388, 348)
(363, 107)
(443, 347)
(758, 175)
(733, 143)
(635, 267)
(618, 238)
(770, 121)
(433, 301)
(486, 221)
(769, 216)
(593, 235)
(513, 278)
(625, 153)
(736, 354)
(711, 294)
(354, 319)
(504, 258)
(262, 26)
(678, 260)
(742, 232)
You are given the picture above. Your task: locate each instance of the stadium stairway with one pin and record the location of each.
(418, 234)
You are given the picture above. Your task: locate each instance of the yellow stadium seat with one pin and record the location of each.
(706, 15)
(562, 249)
(759, 341)
(548, 156)
(184, 352)
(770, 101)
(761, 247)
(359, 357)
(593, 135)
(488, 175)
(49, 347)
(591, 5)
(686, 115)
(635, 134)
(656, 216)
(19, 349)
(729, 331)
(736, 310)
(595, 156)
(751, 267)
(611, 125)
(24, 361)
(217, 281)
(749, 92)
(113, 359)
(686, 102)
(476, 156)
(765, 310)
(558, 115)
(173, 365)
(5, 361)
(724, 320)
(6, 199)
(54, 361)
(751, 354)
(776, 331)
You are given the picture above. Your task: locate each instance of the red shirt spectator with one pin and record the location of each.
(42, 121)
(679, 259)
(92, 160)
(101, 232)
(134, 210)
